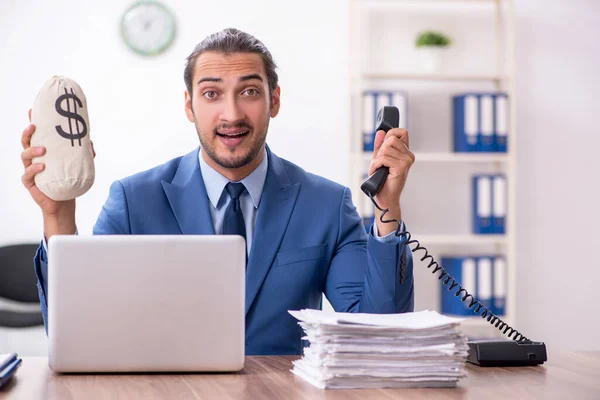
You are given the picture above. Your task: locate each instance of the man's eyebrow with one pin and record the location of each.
(250, 77)
(209, 80)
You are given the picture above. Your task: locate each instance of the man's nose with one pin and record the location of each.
(232, 112)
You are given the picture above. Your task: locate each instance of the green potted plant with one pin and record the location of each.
(432, 45)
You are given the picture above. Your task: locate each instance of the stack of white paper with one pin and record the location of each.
(348, 350)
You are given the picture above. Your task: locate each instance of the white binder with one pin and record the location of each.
(499, 292)
(484, 281)
(471, 119)
(501, 119)
(487, 122)
(499, 204)
(483, 204)
(399, 100)
(368, 112)
(469, 276)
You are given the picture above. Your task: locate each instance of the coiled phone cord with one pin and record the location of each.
(447, 278)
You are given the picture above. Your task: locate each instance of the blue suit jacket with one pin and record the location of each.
(308, 239)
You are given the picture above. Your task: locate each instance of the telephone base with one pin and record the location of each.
(506, 353)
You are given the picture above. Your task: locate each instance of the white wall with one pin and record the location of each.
(136, 112)
(558, 57)
(136, 105)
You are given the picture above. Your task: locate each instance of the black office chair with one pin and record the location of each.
(19, 283)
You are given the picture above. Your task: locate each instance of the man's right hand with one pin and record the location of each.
(59, 216)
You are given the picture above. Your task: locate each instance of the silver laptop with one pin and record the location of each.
(142, 303)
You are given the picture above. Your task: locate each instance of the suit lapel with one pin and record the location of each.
(188, 199)
(276, 206)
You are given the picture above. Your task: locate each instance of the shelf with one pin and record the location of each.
(427, 240)
(450, 157)
(434, 77)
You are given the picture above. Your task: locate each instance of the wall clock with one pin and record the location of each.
(148, 27)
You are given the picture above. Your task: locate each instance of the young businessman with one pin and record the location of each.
(303, 234)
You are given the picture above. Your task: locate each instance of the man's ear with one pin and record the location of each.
(189, 111)
(276, 102)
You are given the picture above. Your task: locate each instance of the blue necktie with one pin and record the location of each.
(233, 223)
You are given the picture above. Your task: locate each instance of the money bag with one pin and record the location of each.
(62, 126)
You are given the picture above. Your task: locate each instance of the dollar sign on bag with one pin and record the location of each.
(71, 115)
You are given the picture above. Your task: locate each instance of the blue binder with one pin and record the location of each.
(463, 270)
(499, 286)
(465, 111)
(501, 122)
(482, 204)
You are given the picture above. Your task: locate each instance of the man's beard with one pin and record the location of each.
(235, 162)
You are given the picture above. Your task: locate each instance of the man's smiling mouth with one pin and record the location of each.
(233, 135)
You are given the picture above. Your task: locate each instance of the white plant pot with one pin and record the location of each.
(432, 58)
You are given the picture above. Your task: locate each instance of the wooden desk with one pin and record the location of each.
(565, 376)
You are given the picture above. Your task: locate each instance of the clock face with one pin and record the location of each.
(148, 27)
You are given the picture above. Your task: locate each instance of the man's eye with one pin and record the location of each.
(209, 94)
(251, 92)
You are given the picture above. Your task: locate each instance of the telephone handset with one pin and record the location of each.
(521, 350)
(387, 118)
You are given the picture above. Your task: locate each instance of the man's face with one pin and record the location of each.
(230, 106)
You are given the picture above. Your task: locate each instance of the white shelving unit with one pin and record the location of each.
(382, 57)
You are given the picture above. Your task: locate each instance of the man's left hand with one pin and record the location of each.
(392, 151)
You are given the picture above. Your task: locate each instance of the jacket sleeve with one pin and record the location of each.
(113, 219)
(368, 275)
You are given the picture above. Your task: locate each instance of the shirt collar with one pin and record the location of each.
(215, 182)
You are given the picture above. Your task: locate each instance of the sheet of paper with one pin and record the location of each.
(416, 320)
